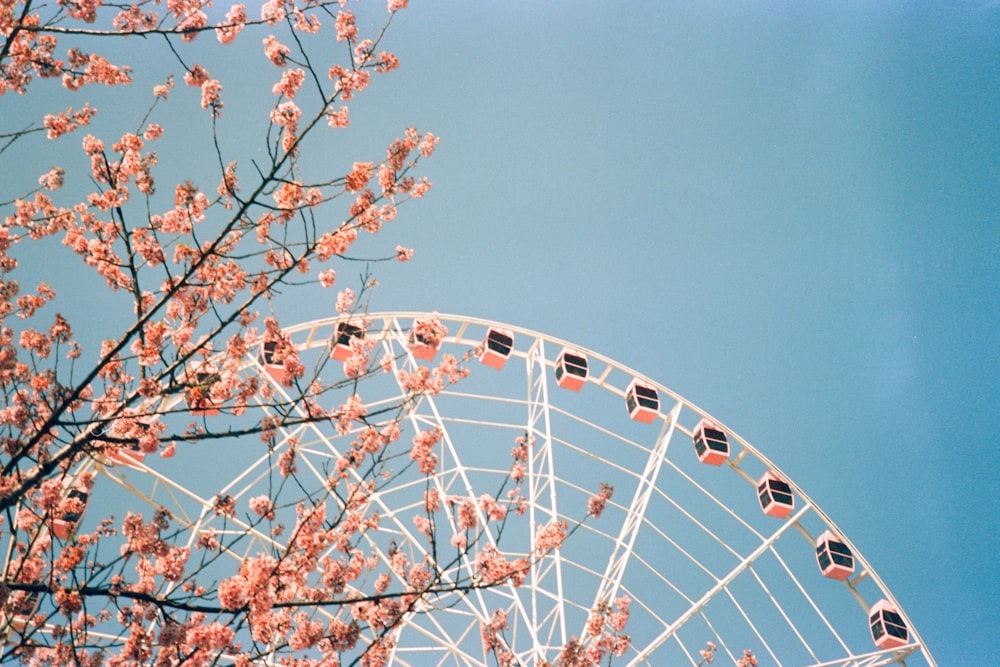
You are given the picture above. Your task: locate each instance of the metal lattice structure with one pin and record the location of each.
(687, 542)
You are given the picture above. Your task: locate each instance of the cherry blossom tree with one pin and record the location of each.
(195, 252)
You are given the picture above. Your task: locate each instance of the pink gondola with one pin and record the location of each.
(199, 397)
(24, 610)
(130, 454)
(775, 495)
(571, 369)
(887, 626)
(497, 346)
(424, 348)
(64, 526)
(346, 332)
(274, 368)
(710, 443)
(834, 557)
(643, 402)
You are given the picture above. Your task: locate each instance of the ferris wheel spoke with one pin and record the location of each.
(542, 481)
(636, 513)
(426, 413)
(717, 588)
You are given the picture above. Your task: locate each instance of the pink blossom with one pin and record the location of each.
(550, 536)
(236, 19)
(596, 503)
(286, 462)
(273, 11)
(196, 76)
(68, 120)
(346, 27)
(287, 115)
(494, 511)
(359, 176)
(210, 96)
(162, 90)
(708, 653)
(459, 541)
(262, 506)
(423, 524)
(153, 131)
(307, 23)
(345, 300)
(428, 144)
(214, 636)
(327, 278)
(337, 118)
(432, 501)
(420, 188)
(466, 515)
(423, 450)
(275, 51)
(396, 5)
(291, 81)
(386, 62)
(403, 254)
(52, 179)
(335, 243)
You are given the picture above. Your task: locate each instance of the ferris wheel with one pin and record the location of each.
(704, 536)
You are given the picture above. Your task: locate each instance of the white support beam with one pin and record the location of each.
(542, 492)
(720, 584)
(636, 513)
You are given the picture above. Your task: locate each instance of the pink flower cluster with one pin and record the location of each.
(597, 502)
(68, 120)
(423, 450)
(550, 536)
(708, 654)
(494, 568)
(236, 20)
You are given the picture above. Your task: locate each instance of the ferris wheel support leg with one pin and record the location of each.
(618, 562)
(542, 476)
(431, 415)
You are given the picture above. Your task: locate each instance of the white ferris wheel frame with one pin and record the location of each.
(548, 618)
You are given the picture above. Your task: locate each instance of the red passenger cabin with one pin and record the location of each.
(643, 402)
(775, 495)
(276, 369)
(345, 333)
(424, 348)
(710, 444)
(834, 557)
(571, 369)
(131, 453)
(497, 346)
(199, 397)
(64, 526)
(25, 606)
(887, 626)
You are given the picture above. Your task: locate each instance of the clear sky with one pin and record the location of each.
(788, 213)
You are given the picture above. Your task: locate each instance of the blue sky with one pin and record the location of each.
(787, 213)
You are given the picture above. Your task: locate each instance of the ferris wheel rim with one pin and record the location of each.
(395, 320)
(866, 569)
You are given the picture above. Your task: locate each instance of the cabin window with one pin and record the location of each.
(347, 331)
(499, 342)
